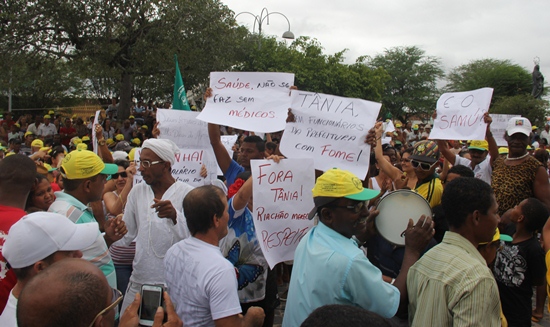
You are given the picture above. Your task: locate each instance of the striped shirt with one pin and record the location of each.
(97, 253)
(451, 285)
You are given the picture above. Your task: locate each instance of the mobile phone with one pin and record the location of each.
(151, 299)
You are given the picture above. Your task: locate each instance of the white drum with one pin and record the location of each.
(396, 209)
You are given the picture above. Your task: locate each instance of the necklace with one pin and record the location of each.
(517, 158)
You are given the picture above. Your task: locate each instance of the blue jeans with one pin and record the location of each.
(123, 273)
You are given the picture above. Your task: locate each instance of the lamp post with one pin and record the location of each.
(264, 16)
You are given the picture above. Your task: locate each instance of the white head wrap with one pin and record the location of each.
(165, 149)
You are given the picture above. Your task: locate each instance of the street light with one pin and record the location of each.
(264, 15)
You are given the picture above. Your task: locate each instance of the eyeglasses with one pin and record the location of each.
(122, 174)
(424, 166)
(117, 297)
(147, 163)
(356, 208)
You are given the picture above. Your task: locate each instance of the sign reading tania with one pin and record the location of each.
(460, 115)
(282, 202)
(187, 167)
(249, 101)
(331, 130)
(498, 127)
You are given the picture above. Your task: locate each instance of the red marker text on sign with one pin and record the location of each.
(223, 83)
(273, 177)
(286, 237)
(461, 120)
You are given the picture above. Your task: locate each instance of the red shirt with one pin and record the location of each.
(9, 216)
(65, 140)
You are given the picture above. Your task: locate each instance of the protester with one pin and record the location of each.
(153, 215)
(328, 256)
(84, 176)
(17, 177)
(41, 196)
(520, 265)
(451, 284)
(201, 280)
(424, 159)
(46, 129)
(115, 202)
(37, 241)
(519, 176)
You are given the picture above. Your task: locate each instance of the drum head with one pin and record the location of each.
(395, 210)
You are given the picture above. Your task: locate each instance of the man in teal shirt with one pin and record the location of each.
(84, 175)
(330, 268)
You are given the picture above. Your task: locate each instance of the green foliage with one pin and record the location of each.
(506, 78)
(411, 89)
(315, 71)
(525, 105)
(125, 47)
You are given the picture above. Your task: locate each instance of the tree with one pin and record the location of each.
(411, 89)
(506, 78)
(314, 70)
(524, 105)
(122, 46)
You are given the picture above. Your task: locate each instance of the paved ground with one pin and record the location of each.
(279, 312)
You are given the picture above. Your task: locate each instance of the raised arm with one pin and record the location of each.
(493, 147)
(444, 149)
(386, 166)
(222, 156)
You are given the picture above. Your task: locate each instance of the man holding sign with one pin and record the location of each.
(329, 266)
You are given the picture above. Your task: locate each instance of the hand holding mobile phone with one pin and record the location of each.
(151, 299)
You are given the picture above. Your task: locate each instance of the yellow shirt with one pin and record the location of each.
(431, 191)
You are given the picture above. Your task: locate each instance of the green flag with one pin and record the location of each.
(180, 98)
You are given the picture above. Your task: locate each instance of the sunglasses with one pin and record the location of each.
(122, 174)
(115, 300)
(423, 165)
(356, 208)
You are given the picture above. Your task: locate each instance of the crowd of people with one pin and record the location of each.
(81, 238)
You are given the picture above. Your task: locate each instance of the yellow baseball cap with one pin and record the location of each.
(144, 126)
(74, 116)
(119, 137)
(503, 150)
(85, 138)
(9, 154)
(82, 146)
(337, 183)
(398, 125)
(498, 236)
(132, 154)
(534, 128)
(76, 140)
(27, 133)
(136, 141)
(529, 147)
(481, 145)
(109, 141)
(131, 117)
(47, 117)
(415, 127)
(37, 143)
(51, 112)
(80, 164)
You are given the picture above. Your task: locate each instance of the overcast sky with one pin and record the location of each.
(455, 31)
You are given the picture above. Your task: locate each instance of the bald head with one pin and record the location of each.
(70, 292)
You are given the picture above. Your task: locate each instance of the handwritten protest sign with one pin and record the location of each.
(460, 115)
(186, 169)
(228, 141)
(282, 202)
(183, 128)
(250, 101)
(498, 127)
(331, 130)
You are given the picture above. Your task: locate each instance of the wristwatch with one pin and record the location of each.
(102, 142)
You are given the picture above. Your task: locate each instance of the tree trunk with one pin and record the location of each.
(125, 96)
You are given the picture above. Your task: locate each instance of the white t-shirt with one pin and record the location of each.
(153, 235)
(44, 130)
(8, 317)
(483, 170)
(201, 282)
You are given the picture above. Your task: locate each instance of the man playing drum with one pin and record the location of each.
(330, 268)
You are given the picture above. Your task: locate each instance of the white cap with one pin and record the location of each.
(39, 235)
(518, 125)
(120, 155)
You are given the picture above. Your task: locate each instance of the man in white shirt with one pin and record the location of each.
(35, 242)
(153, 215)
(202, 282)
(46, 129)
(546, 133)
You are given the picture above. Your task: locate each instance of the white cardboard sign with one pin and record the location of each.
(331, 130)
(498, 127)
(282, 202)
(249, 101)
(460, 115)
